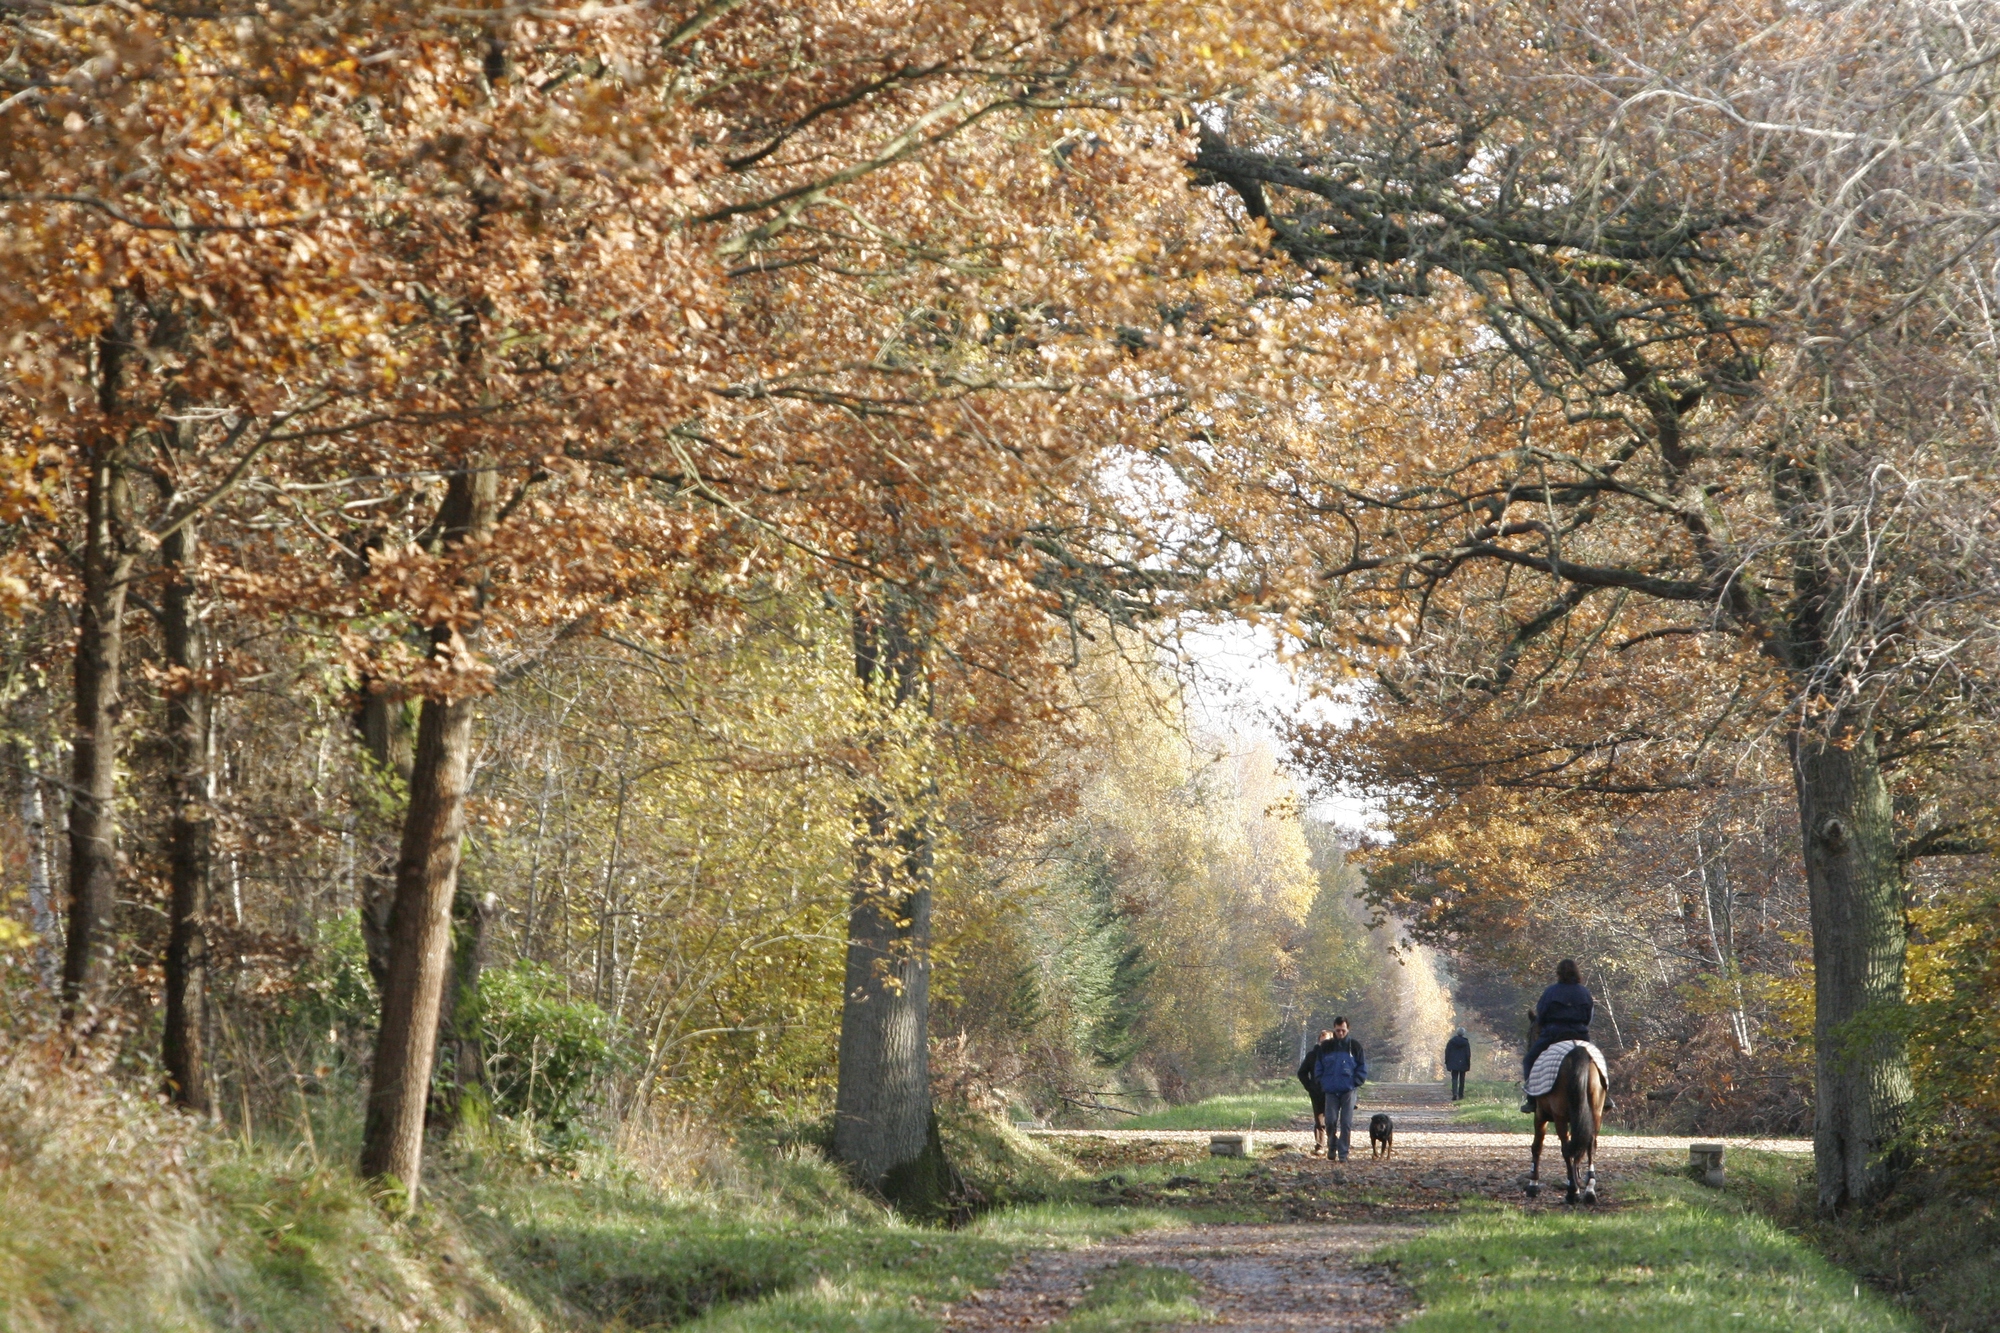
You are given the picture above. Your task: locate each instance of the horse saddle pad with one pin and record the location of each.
(1543, 1076)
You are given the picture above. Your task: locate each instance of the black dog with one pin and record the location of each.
(1382, 1135)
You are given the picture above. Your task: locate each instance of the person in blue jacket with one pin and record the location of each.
(1562, 1014)
(1340, 1070)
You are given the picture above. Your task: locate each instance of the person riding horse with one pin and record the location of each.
(1576, 1102)
(1562, 1014)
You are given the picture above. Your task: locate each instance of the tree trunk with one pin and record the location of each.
(383, 724)
(426, 880)
(93, 825)
(458, 1016)
(1862, 1071)
(884, 1128)
(882, 1113)
(189, 832)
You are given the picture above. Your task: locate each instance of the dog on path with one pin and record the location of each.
(1382, 1135)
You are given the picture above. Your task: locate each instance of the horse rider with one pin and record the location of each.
(1562, 1014)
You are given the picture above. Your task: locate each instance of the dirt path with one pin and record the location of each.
(1423, 1116)
(1306, 1267)
(1261, 1279)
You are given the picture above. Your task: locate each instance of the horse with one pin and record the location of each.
(1576, 1105)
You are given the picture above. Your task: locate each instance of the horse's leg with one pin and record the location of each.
(1569, 1161)
(1535, 1155)
(1598, 1095)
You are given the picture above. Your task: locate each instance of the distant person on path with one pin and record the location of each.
(1340, 1069)
(1308, 1075)
(1562, 1014)
(1457, 1060)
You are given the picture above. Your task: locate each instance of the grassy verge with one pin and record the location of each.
(1489, 1105)
(1271, 1106)
(123, 1217)
(1673, 1258)
(1934, 1246)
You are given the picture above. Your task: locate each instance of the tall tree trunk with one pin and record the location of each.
(189, 832)
(882, 1112)
(458, 1016)
(1862, 1071)
(383, 725)
(426, 880)
(100, 652)
(884, 1128)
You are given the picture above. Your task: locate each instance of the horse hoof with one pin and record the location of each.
(1534, 1190)
(1569, 1198)
(1590, 1197)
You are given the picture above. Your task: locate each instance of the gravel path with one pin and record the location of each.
(1308, 1268)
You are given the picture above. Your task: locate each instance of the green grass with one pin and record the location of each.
(1271, 1106)
(1129, 1298)
(1493, 1114)
(1935, 1244)
(881, 1279)
(1673, 1258)
(1491, 1105)
(122, 1217)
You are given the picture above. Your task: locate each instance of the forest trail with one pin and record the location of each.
(1307, 1267)
(1423, 1116)
(1260, 1279)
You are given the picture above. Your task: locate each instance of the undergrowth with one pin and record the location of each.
(1933, 1246)
(123, 1216)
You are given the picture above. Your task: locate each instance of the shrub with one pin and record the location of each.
(544, 1049)
(1954, 1048)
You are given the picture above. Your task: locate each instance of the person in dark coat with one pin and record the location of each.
(1307, 1077)
(1562, 1014)
(1457, 1060)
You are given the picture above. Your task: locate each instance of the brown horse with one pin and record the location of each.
(1576, 1105)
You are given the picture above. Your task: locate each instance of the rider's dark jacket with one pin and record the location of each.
(1563, 1012)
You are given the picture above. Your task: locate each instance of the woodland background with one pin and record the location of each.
(686, 486)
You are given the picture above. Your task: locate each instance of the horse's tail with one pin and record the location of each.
(1582, 1072)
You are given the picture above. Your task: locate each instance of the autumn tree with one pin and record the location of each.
(511, 318)
(1634, 405)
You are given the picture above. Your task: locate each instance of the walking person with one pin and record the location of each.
(1457, 1060)
(1309, 1077)
(1340, 1069)
(1562, 1014)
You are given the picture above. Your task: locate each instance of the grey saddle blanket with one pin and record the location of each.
(1543, 1077)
